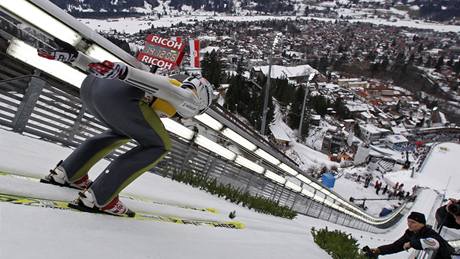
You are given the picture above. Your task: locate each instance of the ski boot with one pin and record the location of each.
(86, 202)
(58, 177)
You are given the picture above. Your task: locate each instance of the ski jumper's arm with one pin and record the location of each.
(82, 61)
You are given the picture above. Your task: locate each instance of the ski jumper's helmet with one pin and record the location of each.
(203, 89)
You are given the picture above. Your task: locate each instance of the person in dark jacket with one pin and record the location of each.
(416, 232)
(449, 215)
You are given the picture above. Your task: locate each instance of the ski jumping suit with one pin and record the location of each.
(124, 109)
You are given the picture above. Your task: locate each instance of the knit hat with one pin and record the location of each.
(417, 216)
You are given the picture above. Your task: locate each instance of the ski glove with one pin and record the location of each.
(59, 55)
(64, 52)
(108, 70)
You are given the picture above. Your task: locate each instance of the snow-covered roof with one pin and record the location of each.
(279, 133)
(209, 49)
(399, 130)
(348, 80)
(316, 117)
(394, 139)
(286, 72)
(366, 115)
(372, 129)
(356, 107)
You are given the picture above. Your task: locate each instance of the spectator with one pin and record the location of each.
(391, 193)
(414, 189)
(401, 194)
(378, 186)
(367, 181)
(407, 196)
(449, 214)
(417, 236)
(385, 189)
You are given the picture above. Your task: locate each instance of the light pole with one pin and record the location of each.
(310, 77)
(267, 93)
(267, 86)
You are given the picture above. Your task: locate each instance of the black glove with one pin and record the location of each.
(64, 52)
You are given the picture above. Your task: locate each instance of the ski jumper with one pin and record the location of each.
(129, 113)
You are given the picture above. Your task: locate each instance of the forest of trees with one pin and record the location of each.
(439, 10)
(122, 8)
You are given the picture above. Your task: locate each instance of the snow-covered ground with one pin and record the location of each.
(29, 232)
(439, 172)
(132, 25)
(305, 157)
(349, 188)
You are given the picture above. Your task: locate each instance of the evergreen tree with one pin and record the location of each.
(440, 62)
(384, 64)
(450, 62)
(357, 130)
(247, 101)
(323, 64)
(457, 67)
(341, 109)
(374, 68)
(428, 61)
(411, 59)
(120, 43)
(282, 91)
(420, 48)
(212, 68)
(319, 104)
(419, 61)
(371, 56)
(399, 62)
(234, 90)
(296, 108)
(306, 11)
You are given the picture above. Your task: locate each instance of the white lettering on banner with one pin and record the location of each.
(156, 62)
(167, 42)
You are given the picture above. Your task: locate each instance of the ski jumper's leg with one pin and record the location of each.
(78, 163)
(120, 106)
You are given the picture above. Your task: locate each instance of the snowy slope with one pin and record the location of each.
(439, 172)
(29, 232)
(51, 233)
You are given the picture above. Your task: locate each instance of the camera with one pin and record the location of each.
(454, 208)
